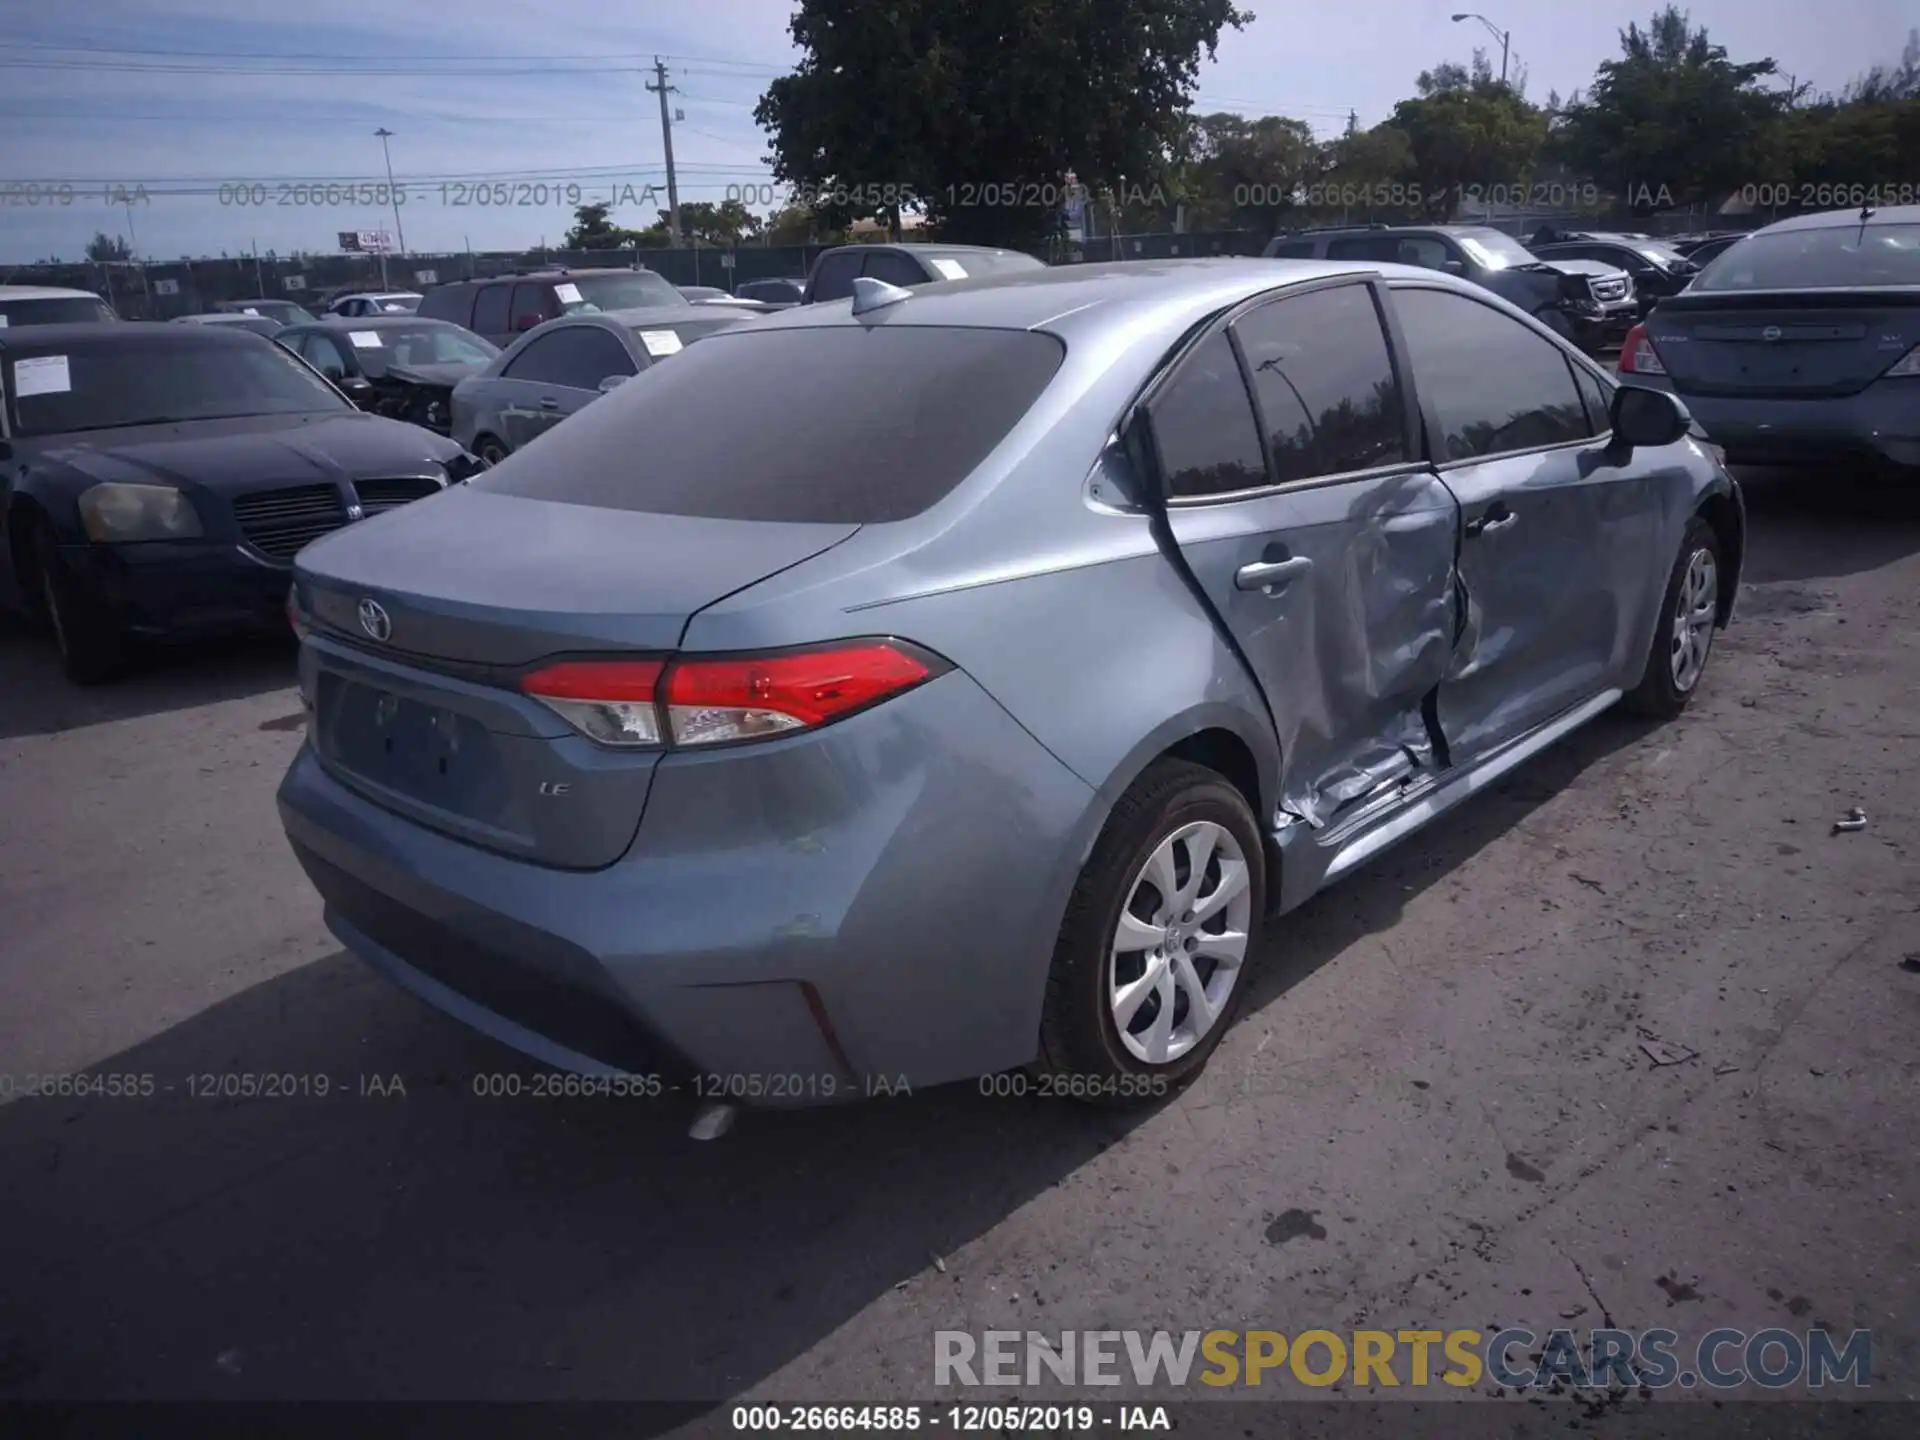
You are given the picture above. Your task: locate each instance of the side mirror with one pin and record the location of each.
(1647, 417)
(1453, 267)
(356, 388)
(611, 381)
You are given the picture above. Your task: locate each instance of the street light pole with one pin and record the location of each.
(393, 194)
(1503, 36)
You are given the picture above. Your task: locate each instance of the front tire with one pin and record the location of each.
(1682, 641)
(92, 648)
(1152, 959)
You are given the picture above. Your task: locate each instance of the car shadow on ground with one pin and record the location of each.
(1806, 525)
(36, 699)
(446, 1244)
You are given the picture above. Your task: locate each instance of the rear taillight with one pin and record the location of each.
(713, 700)
(1907, 365)
(612, 701)
(1637, 355)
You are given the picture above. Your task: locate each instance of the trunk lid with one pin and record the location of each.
(418, 709)
(1783, 344)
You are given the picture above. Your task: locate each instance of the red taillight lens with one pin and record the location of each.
(611, 701)
(713, 701)
(633, 703)
(1637, 355)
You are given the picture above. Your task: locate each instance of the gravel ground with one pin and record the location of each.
(1443, 1109)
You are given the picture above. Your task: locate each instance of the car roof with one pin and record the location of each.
(931, 247)
(1838, 219)
(372, 322)
(375, 295)
(218, 317)
(640, 316)
(73, 335)
(1093, 300)
(44, 292)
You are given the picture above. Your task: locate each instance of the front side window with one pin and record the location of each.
(616, 290)
(324, 356)
(1494, 384)
(1323, 379)
(1204, 426)
(1381, 248)
(101, 387)
(1290, 250)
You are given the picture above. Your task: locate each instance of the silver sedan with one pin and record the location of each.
(959, 678)
(561, 366)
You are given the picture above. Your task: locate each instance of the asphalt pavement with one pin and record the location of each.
(1628, 1036)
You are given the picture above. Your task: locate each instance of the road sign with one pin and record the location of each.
(293, 282)
(166, 287)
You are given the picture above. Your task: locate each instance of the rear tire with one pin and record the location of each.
(1154, 953)
(91, 645)
(1683, 640)
(489, 451)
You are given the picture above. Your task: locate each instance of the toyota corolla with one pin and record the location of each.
(958, 679)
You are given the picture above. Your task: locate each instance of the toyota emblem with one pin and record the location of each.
(1770, 334)
(374, 620)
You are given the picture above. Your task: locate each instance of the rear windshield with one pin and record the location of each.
(615, 290)
(102, 387)
(850, 425)
(60, 310)
(1833, 257)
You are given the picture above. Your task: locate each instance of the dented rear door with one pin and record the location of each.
(1323, 543)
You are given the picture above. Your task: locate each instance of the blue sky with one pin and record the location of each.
(182, 96)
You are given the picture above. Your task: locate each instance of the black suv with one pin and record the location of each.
(505, 307)
(1657, 268)
(1590, 303)
(834, 271)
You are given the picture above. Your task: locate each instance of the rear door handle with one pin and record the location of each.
(547, 402)
(1496, 517)
(1271, 575)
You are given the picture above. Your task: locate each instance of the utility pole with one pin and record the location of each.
(661, 88)
(400, 233)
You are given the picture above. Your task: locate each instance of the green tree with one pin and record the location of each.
(1473, 138)
(592, 230)
(108, 247)
(1366, 174)
(728, 223)
(793, 225)
(1673, 120)
(973, 113)
(1238, 173)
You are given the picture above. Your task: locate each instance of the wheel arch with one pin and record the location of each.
(1724, 512)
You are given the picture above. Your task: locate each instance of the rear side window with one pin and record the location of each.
(450, 302)
(851, 425)
(834, 279)
(1323, 378)
(1204, 426)
(490, 310)
(576, 357)
(1495, 385)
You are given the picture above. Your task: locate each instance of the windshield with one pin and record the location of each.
(1834, 257)
(428, 345)
(101, 387)
(55, 310)
(1660, 254)
(615, 290)
(1491, 250)
(989, 264)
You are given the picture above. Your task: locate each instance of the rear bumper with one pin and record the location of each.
(794, 920)
(176, 590)
(1880, 425)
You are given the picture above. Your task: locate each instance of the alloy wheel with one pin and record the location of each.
(1181, 942)
(1694, 610)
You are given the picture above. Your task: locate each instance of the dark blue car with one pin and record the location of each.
(156, 481)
